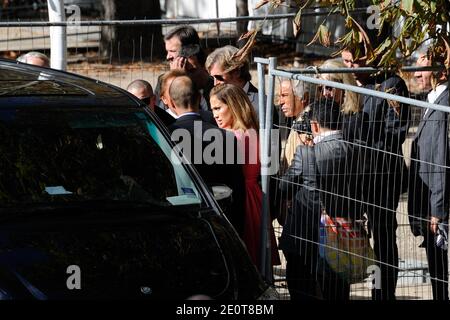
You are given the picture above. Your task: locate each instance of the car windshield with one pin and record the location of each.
(66, 155)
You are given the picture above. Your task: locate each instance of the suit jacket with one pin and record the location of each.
(319, 179)
(386, 129)
(168, 120)
(303, 220)
(386, 132)
(225, 168)
(165, 117)
(429, 180)
(335, 173)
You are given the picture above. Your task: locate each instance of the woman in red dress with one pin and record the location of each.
(233, 111)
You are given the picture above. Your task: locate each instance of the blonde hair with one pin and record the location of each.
(169, 75)
(224, 58)
(351, 102)
(239, 104)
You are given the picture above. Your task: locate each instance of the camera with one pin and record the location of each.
(303, 125)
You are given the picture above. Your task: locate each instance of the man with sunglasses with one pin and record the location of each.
(429, 176)
(143, 90)
(222, 66)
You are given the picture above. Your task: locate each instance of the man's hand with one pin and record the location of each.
(180, 63)
(434, 224)
(306, 139)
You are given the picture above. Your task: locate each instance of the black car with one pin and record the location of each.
(92, 204)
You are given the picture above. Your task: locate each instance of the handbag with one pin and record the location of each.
(345, 248)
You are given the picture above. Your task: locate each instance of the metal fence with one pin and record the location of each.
(86, 41)
(85, 58)
(399, 254)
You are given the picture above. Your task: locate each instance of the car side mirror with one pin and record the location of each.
(223, 195)
(221, 192)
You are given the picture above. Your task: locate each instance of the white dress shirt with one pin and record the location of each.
(322, 135)
(434, 94)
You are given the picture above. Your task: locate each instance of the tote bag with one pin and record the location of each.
(345, 248)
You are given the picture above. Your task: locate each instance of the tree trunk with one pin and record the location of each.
(131, 43)
(241, 10)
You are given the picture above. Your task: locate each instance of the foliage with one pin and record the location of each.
(421, 21)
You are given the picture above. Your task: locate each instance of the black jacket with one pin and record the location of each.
(386, 173)
(319, 179)
(429, 173)
(224, 167)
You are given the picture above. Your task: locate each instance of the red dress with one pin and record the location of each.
(249, 145)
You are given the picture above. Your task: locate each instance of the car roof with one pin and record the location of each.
(23, 85)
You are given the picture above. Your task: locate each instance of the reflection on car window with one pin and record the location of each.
(52, 156)
(41, 86)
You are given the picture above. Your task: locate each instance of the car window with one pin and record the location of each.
(38, 87)
(52, 156)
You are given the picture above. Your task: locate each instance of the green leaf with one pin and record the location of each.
(422, 3)
(447, 50)
(387, 58)
(323, 35)
(382, 47)
(297, 22)
(408, 6)
(260, 4)
(349, 22)
(433, 6)
(345, 39)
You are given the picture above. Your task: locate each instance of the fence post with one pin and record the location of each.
(58, 38)
(261, 95)
(266, 252)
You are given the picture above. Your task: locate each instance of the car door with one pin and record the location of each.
(92, 206)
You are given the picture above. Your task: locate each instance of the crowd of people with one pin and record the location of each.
(343, 156)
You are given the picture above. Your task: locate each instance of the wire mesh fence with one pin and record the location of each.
(382, 185)
(370, 175)
(119, 51)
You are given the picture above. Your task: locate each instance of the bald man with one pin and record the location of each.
(35, 58)
(143, 90)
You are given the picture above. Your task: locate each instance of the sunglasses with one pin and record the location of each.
(326, 88)
(219, 78)
(146, 100)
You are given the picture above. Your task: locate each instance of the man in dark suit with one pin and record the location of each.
(319, 177)
(165, 82)
(428, 197)
(213, 151)
(386, 175)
